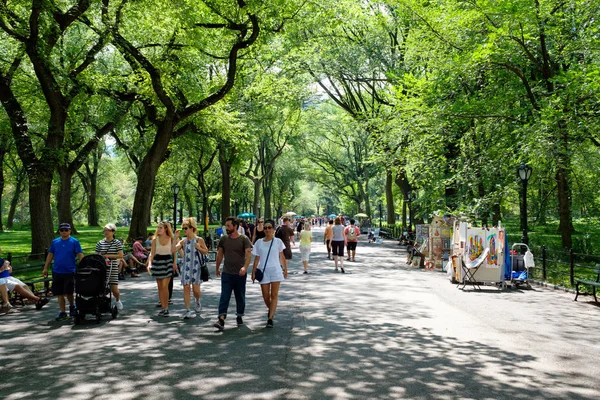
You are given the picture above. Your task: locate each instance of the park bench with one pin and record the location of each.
(24, 264)
(593, 284)
(386, 234)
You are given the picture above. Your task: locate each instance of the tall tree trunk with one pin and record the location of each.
(497, 214)
(267, 185)
(92, 173)
(14, 202)
(225, 185)
(146, 177)
(565, 226)
(389, 193)
(2, 154)
(402, 182)
(42, 230)
(256, 200)
(64, 197)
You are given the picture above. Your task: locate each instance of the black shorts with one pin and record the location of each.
(337, 248)
(327, 243)
(63, 284)
(287, 253)
(351, 246)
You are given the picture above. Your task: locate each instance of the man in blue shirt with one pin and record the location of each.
(63, 251)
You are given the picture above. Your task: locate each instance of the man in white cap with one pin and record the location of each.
(63, 251)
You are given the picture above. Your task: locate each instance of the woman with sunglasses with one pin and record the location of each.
(160, 263)
(269, 258)
(193, 248)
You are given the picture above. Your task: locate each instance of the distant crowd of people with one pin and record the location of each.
(166, 254)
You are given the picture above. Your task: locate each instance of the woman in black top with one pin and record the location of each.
(259, 231)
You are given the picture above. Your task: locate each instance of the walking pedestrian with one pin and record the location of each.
(305, 245)
(63, 250)
(160, 263)
(352, 233)
(270, 259)
(327, 236)
(299, 226)
(112, 250)
(338, 242)
(286, 234)
(194, 249)
(236, 250)
(259, 231)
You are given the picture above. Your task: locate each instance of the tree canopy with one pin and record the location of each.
(319, 107)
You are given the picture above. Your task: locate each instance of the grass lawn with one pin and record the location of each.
(18, 243)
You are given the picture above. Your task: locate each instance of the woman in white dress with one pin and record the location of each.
(269, 258)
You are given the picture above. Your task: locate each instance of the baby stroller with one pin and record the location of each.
(93, 290)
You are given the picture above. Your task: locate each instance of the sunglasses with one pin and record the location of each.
(268, 227)
(64, 230)
(184, 227)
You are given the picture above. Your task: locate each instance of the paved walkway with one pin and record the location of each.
(380, 331)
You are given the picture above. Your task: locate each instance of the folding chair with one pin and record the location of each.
(470, 269)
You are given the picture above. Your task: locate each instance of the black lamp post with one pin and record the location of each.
(380, 213)
(198, 210)
(524, 172)
(410, 197)
(175, 190)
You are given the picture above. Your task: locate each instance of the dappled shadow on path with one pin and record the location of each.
(366, 334)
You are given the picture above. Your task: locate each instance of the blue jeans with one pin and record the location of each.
(237, 284)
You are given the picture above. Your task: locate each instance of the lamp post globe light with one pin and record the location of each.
(524, 172)
(175, 190)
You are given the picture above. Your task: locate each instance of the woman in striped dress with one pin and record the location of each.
(160, 263)
(112, 250)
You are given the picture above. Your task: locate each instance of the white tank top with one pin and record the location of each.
(163, 250)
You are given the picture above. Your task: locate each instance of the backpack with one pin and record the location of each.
(351, 235)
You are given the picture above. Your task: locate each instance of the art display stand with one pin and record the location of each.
(469, 243)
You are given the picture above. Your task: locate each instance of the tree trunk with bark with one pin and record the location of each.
(2, 154)
(225, 165)
(42, 229)
(389, 192)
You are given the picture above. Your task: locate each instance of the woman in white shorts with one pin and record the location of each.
(269, 251)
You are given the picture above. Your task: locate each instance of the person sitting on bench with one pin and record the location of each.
(13, 284)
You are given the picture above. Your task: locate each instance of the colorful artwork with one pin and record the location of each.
(492, 258)
(475, 245)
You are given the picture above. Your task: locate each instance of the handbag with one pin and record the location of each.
(204, 274)
(258, 274)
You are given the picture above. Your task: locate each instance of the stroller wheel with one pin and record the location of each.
(114, 312)
(98, 316)
(77, 319)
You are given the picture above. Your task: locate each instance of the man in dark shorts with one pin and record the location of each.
(286, 233)
(352, 233)
(63, 251)
(236, 249)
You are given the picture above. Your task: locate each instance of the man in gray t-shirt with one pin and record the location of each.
(237, 251)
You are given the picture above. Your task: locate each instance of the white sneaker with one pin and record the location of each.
(188, 314)
(198, 307)
(119, 305)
